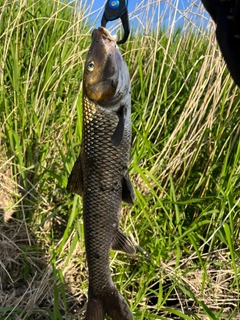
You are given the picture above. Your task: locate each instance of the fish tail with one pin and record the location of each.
(95, 309)
(117, 307)
(112, 304)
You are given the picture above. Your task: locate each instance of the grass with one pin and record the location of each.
(185, 165)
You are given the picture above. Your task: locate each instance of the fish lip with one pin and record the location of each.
(103, 35)
(104, 31)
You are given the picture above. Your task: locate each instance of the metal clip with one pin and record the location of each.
(115, 9)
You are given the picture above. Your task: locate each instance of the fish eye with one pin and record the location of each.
(91, 66)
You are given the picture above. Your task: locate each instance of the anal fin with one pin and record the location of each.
(122, 243)
(75, 179)
(128, 194)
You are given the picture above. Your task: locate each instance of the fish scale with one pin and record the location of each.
(103, 201)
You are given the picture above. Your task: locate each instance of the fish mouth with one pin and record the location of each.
(103, 35)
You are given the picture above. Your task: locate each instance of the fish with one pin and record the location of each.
(100, 174)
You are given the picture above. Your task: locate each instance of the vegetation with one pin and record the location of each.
(185, 166)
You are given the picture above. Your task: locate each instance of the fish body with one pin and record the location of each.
(100, 173)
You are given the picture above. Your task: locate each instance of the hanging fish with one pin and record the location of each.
(100, 173)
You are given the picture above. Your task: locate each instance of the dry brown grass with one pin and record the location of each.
(27, 279)
(212, 286)
(7, 185)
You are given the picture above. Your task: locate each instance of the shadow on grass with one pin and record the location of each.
(32, 284)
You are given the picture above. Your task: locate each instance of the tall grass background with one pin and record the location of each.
(185, 164)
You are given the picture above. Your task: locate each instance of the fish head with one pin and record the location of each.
(103, 68)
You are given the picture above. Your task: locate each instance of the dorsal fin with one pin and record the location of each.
(118, 133)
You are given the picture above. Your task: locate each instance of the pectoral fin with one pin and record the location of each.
(75, 179)
(122, 243)
(118, 133)
(128, 194)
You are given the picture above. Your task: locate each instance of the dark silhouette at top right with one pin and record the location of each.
(226, 15)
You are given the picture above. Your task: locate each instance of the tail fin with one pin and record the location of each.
(95, 310)
(111, 304)
(117, 307)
